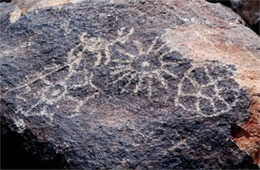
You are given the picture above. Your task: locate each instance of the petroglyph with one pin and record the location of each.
(120, 85)
(142, 70)
(126, 66)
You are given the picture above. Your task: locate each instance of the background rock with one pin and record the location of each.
(123, 84)
(5, 1)
(249, 10)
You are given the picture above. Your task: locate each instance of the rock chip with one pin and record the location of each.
(129, 84)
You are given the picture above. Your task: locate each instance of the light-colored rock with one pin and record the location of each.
(29, 5)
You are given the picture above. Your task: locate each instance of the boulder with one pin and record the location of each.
(121, 84)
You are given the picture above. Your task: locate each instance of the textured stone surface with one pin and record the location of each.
(5, 14)
(29, 5)
(121, 84)
(247, 136)
(249, 10)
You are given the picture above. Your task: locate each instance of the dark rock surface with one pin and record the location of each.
(96, 86)
(5, 11)
(5, 1)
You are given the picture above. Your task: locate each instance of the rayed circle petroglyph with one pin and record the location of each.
(127, 66)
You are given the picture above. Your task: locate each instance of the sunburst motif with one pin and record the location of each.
(145, 71)
(131, 65)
